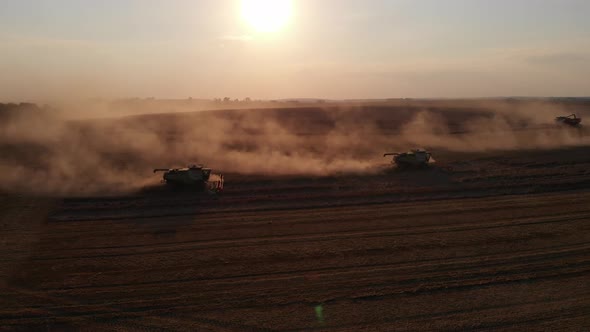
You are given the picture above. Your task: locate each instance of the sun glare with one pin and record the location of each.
(267, 15)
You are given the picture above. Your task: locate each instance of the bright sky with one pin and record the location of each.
(322, 48)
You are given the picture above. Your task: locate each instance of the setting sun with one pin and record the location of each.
(267, 15)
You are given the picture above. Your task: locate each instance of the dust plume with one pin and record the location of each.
(503, 127)
(51, 152)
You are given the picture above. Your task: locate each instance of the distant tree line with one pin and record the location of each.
(9, 110)
(228, 100)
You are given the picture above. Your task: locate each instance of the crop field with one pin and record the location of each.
(482, 239)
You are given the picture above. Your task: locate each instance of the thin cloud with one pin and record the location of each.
(239, 38)
(19, 40)
(559, 59)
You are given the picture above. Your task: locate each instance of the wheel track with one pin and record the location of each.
(350, 200)
(368, 284)
(151, 308)
(229, 218)
(328, 269)
(448, 316)
(298, 222)
(429, 266)
(298, 238)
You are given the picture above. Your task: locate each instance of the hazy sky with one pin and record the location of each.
(329, 49)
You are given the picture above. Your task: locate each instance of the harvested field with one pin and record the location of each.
(492, 240)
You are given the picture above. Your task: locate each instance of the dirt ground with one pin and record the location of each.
(481, 240)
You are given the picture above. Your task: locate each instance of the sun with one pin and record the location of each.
(267, 15)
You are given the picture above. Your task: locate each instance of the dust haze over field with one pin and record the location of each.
(49, 151)
(496, 239)
(306, 221)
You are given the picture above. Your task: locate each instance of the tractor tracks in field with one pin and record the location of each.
(496, 179)
(430, 269)
(258, 240)
(356, 259)
(281, 203)
(386, 291)
(388, 214)
(493, 314)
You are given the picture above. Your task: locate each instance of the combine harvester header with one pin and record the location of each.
(571, 120)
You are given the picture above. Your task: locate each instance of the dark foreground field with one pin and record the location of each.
(456, 250)
(481, 240)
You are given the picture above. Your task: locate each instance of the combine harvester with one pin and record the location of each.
(571, 120)
(413, 159)
(194, 176)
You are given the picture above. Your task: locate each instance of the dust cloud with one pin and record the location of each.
(503, 128)
(52, 152)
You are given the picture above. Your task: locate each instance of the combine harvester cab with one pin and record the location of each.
(193, 176)
(571, 120)
(412, 159)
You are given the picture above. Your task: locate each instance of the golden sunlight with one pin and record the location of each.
(267, 15)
